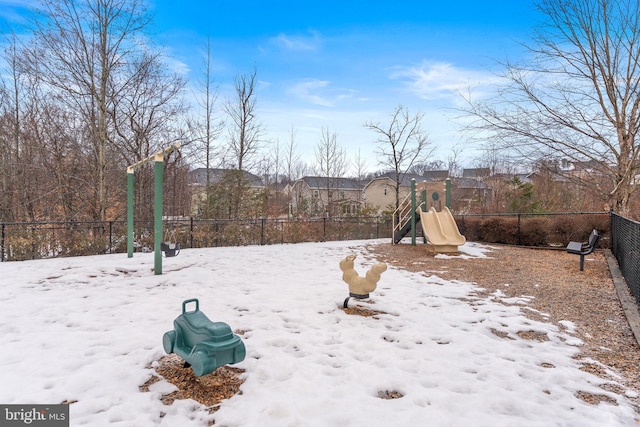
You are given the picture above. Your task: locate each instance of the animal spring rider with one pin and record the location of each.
(359, 287)
(204, 345)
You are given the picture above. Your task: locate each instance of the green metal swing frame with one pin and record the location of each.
(158, 159)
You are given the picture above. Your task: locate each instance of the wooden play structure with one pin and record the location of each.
(439, 228)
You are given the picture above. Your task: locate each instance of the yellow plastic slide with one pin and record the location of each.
(441, 230)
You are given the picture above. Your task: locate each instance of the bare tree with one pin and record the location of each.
(7, 167)
(360, 165)
(423, 168)
(453, 161)
(271, 172)
(11, 93)
(331, 162)
(28, 190)
(205, 126)
(79, 50)
(209, 127)
(294, 168)
(401, 144)
(144, 114)
(143, 119)
(246, 132)
(577, 98)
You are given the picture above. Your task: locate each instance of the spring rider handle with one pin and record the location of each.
(184, 305)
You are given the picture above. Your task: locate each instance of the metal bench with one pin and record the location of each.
(583, 249)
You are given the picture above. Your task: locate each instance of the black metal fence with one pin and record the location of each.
(625, 246)
(552, 230)
(36, 240)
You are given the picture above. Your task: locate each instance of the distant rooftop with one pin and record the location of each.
(199, 176)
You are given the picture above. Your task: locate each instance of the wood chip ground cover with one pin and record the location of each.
(556, 290)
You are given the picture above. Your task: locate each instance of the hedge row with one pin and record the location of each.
(534, 230)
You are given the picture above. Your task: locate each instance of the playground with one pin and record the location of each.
(479, 337)
(432, 214)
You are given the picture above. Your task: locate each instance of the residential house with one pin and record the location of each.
(476, 173)
(435, 176)
(470, 195)
(316, 195)
(380, 192)
(471, 192)
(197, 180)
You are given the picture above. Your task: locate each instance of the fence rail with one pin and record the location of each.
(36, 240)
(534, 229)
(625, 246)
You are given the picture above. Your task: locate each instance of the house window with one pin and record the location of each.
(316, 194)
(385, 191)
(342, 195)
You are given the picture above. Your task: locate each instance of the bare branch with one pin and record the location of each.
(577, 98)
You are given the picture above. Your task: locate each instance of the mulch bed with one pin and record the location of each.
(559, 289)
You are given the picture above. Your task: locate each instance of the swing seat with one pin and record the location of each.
(170, 249)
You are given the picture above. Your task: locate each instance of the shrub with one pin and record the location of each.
(469, 228)
(499, 230)
(561, 230)
(534, 232)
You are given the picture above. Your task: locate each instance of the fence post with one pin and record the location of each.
(33, 242)
(611, 229)
(519, 235)
(130, 201)
(262, 220)
(324, 228)
(110, 237)
(191, 232)
(157, 213)
(2, 245)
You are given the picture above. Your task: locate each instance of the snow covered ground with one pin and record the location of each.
(85, 329)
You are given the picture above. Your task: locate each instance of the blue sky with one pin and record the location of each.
(338, 64)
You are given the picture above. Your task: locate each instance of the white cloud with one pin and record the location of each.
(297, 43)
(440, 80)
(178, 66)
(319, 92)
(13, 11)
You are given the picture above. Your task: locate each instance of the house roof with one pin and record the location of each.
(319, 182)
(199, 176)
(470, 183)
(405, 179)
(523, 177)
(476, 173)
(436, 175)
